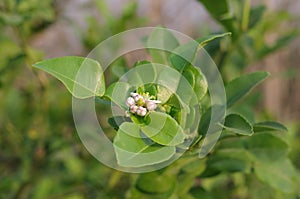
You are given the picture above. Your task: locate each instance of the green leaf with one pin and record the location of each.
(160, 43)
(89, 83)
(266, 147)
(241, 86)
(236, 123)
(151, 89)
(134, 150)
(118, 92)
(269, 126)
(206, 121)
(116, 121)
(142, 73)
(163, 129)
(207, 39)
(221, 12)
(11, 19)
(228, 160)
(155, 182)
(280, 43)
(255, 15)
(184, 55)
(196, 167)
(177, 84)
(197, 80)
(200, 193)
(281, 175)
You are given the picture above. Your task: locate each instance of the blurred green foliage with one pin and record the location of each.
(110, 24)
(256, 33)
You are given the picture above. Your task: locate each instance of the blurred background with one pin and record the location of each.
(41, 155)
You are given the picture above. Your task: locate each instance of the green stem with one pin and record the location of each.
(246, 15)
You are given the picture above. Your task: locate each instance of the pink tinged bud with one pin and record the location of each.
(151, 106)
(138, 98)
(141, 111)
(134, 94)
(133, 109)
(130, 101)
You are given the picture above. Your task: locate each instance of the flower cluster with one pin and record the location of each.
(141, 105)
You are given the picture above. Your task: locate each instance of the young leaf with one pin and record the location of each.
(255, 15)
(236, 123)
(134, 151)
(89, 82)
(197, 81)
(241, 86)
(163, 129)
(269, 126)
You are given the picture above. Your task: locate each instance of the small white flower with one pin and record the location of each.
(141, 111)
(130, 101)
(151, 105)
(133, 109)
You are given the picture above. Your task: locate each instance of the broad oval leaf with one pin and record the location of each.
(134, 151)
(236, 123)
(269, 126)
(241, 86)
(89, 82)
(163, 129)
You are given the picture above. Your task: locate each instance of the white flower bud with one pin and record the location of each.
(141, 111)
(151, 105)
(133, 94)
(130, 101)
(133, 109)
(137, 98)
